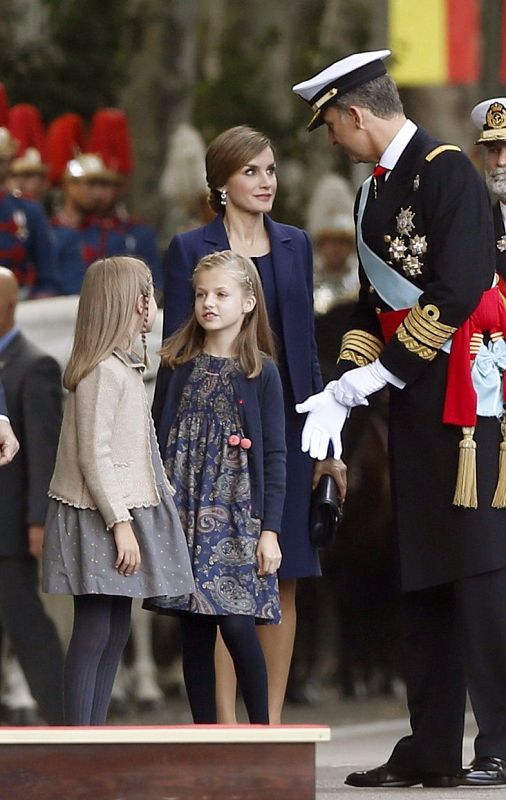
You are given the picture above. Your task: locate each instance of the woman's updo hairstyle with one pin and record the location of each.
(227, 153)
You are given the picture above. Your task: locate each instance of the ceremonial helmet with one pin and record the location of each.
(8, 144)
(87, 166)
(29, 163)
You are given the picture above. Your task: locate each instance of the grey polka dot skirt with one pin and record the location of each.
(79, 553)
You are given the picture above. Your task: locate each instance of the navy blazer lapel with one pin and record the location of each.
(282, 251)
(215, 233)
(282, 254)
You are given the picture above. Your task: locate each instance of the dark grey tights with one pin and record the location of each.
(100, 633)
(239, 634)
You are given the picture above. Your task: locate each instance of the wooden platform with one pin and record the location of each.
(183, 762)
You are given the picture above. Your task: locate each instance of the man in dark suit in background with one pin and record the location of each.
(32, 384)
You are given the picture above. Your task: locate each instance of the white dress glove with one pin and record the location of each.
(323, 425)
(354, 387)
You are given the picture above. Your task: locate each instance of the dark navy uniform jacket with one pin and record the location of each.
(68, 259)
(438, 195)
(101, 237)
(25, 244)
(499, 232)
(449, 205)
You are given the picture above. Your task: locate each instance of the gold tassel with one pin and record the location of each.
(499, 499)
(465, 490)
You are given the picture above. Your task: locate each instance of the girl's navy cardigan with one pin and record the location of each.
(261, 409)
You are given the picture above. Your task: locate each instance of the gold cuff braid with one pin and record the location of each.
(421, 332)
(360, 347)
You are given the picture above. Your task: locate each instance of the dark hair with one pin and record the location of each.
(380, 96)
(227, 153)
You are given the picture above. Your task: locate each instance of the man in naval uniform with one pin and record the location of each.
(490, 117)
(426, 256)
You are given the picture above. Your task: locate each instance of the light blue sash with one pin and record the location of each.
(395, 290)
(486, 374)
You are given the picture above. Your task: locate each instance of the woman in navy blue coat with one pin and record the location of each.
(241, 175)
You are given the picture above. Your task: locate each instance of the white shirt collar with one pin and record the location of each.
(398, 144)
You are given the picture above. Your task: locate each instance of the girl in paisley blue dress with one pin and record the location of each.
(218, 409)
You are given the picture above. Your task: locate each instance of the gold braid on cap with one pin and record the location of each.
(496, 116)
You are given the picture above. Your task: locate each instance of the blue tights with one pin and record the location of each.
(239, 634)
(100, 633)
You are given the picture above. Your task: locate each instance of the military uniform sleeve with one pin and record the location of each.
(42, 253)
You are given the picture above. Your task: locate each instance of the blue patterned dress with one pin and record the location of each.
(212, 486)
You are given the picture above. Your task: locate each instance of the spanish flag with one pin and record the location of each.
(434, 42)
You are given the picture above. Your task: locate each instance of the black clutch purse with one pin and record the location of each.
(326, 512)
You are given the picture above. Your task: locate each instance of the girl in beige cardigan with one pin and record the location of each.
(112, 530)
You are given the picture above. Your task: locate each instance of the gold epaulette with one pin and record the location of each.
(442, 148)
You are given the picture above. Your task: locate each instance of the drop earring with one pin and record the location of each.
(223, 197)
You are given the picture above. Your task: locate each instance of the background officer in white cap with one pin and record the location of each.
(424, 238)
(490, 117)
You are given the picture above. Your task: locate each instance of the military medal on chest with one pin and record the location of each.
(407, 248)
(19, 218)
(501, 244)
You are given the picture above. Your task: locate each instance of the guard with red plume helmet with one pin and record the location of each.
(110, 137)
(25, 124)
(64, 141)
(25, 243)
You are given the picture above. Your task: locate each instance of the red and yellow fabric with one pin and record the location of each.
(435, 42)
